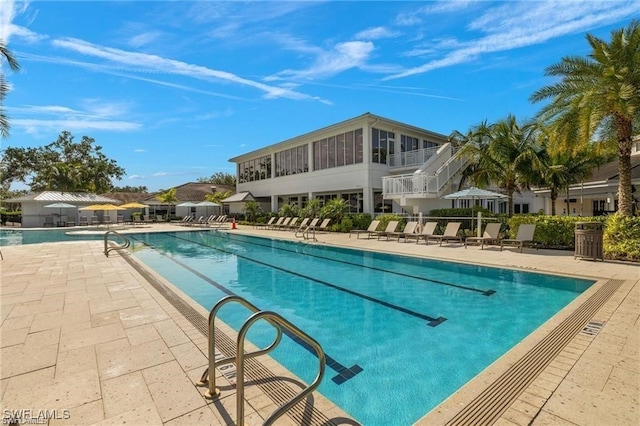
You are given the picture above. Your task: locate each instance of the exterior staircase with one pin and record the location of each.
(432, 180)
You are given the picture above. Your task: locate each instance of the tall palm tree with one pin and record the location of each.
(4, 86)
(596, 90)
(505, 154)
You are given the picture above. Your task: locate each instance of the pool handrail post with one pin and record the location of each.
(108, 248)
(278, 319)
(210, 379)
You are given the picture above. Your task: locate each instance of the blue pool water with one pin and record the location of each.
(401, 333)
(12, 237)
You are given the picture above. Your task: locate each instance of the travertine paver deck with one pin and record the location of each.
(87, 334)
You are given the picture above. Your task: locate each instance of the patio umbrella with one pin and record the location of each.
(186, 204)
(103, 207)
(206, 205)
(134, 205)
(60, 206)
(473, 194)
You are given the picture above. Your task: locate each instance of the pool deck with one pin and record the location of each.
(90, 339)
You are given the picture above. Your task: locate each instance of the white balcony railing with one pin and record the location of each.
(411, 158)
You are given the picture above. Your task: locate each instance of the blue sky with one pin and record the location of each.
(171, 90)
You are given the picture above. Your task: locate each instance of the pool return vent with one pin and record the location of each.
(123, 244)
(278, 322)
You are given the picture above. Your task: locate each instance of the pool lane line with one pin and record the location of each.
(402, 274)
(344, 373)
(431, 321)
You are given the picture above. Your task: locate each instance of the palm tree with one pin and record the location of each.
(596, 90)
(504, 154)
(4, 87)
(251, 210)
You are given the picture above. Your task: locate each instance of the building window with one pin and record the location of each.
(521, 208)
(382, 144)
(407, 143)
(292, 161)
(256, 169)
(340, 150)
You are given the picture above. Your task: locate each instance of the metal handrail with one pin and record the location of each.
(273, 318)
(107, 248)
(210, 379)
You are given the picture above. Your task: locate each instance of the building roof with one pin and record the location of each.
(128, 197)
(66, 197)
(609, 171)
(240, 197)
(374, 118)
(191, 191)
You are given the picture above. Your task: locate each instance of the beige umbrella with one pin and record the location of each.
(103, 207)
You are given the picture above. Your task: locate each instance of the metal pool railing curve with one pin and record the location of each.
(278, 322)
(126, 243)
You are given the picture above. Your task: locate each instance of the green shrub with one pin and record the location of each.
(622, 237)
(551, 231)
(386, 218)
(360, 220)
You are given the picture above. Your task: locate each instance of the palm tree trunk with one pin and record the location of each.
(625, 201)
(554, 197)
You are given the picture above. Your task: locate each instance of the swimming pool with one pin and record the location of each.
(12, 237)
(401, 334)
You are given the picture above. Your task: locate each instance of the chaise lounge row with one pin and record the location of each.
(450, 234)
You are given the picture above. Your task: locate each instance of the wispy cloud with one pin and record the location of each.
(99, 115)
(504, 30)
(162, 65)
(143, 39)
(137, 177)
(342, 57)
(376, 33)
(214, 115)
(139, 150)
(9, 9)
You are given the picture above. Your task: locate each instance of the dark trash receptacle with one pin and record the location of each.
(589, 240)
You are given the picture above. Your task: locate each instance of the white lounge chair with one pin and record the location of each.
(427, 231)
(408, 231)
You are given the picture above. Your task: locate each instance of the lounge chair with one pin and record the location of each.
(409, 230)
(94, 221)
(268, 224)
(524, 236)
(490, 235)
(302, 225)
(372, 228)
(392, 226)
(84, 221)
(427, 231)
(450, 234)
(323, 226)
(277, 224)
(283, 224)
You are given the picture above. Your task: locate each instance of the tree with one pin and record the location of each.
(168, 196)
(335, 209)
(563, 165)
(62, 165)
(596, 90)
(4, 87)
(504, 153)
(136, 189)
(251, 210)
(217, 197)
(220, 178)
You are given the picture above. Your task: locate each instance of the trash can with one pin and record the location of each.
(589, 240)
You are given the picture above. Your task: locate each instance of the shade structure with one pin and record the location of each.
(134, 205)
(60, 206)
(206, 205)
(474, 193)
(186, 204)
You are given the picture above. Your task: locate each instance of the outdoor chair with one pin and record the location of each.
(292, 225)
(94, 221)
(302, 225)
(324, 226)
(408, 231)
(372, 228)
(490, 235)
(84, 221)
(427, 231)
(450, 234)
(268, 224)
(48, 221)
(392, 226)
(278, 223)
(524, 236)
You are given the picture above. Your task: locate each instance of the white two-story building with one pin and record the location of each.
(376, 164)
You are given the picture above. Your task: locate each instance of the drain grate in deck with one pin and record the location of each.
(274, 387)
(487, 407)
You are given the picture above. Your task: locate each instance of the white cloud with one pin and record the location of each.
(34, 126)
(161, 65)
(138, 150)
(518, 24)
(342, 57)
(136, 177)
(376, 33)
(143, 39)
(9, 10)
